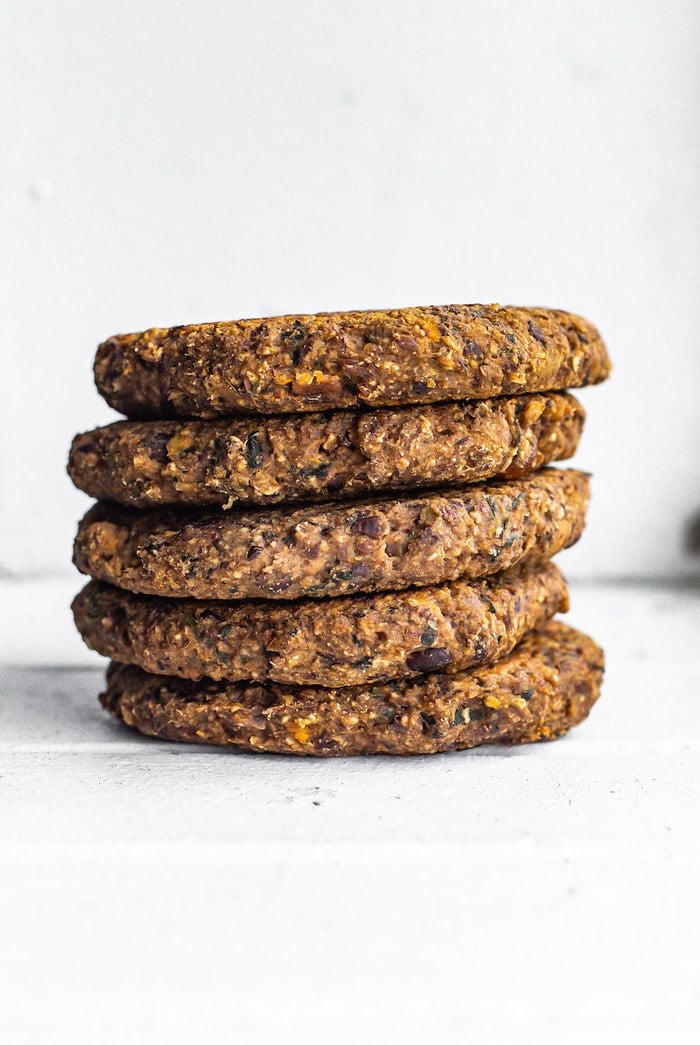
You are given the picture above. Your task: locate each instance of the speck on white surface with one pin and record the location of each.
(157, 892)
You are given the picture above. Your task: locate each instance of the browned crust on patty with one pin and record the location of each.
(322, 456)
(335, 360)
(332, 549)
(348, 641)
(538, 692)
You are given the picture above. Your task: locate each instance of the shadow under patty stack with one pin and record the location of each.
(332, 534)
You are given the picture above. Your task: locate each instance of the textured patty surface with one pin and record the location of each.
(348, 641)
(322, 456)
(288, 364)
(539, 691)
(336, 549)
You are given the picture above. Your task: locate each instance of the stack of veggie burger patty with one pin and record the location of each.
(332, 534)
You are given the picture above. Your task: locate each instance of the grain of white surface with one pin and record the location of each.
(546, 894)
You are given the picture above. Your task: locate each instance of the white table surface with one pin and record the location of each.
(156, 892)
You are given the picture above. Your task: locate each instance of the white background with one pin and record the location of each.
(170, 162)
